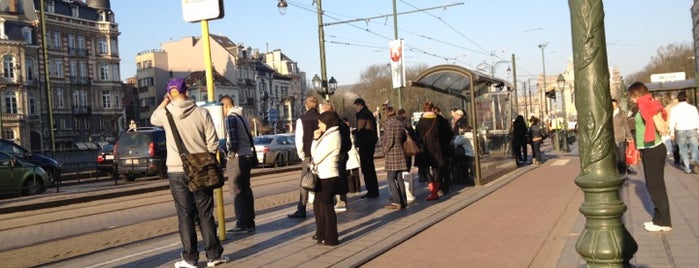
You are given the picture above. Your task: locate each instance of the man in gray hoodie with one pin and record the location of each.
(193, 123)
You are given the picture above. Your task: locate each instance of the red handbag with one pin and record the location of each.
(632, 154)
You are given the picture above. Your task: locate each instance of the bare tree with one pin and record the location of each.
(671, 58)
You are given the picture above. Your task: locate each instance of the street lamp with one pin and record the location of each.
(282, 5)
(326, 89)
(561, 86)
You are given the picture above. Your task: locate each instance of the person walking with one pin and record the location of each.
(519, 140)
(653, 154)
(435, 134)
(366, 138)
(394, 155)
(622, 135)
(684, 122)
(325, 150)
(238, 165)
(198, 134)
(305, 126)
(537, 135)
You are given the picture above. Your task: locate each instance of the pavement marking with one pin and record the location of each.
(104, 263)
(560, 162)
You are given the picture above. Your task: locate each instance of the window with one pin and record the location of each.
(104, 72)
(50, 8)
(106, 100)
(9, 133)
(117, 103)
(59, 98)
(101, 123)
(115, 72)
(81, 41)
(56, 40)
(71, 41)
(73, 69)
(75, 11)
(114, 49)
(102, 46)
(32, 105)
(2, 29)
(82, 69)
(102, 15)
(56, 66)
(8, 67)
(27, 35)
(29, 67)
(10, 102)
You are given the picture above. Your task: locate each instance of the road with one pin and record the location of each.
(49, 235)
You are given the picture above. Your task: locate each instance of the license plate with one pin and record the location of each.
(109, 157)
(131, 161)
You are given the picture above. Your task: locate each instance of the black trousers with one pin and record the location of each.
(366, 162)
(324, 210)
(238, 169)
(621, 157)
(654, 170)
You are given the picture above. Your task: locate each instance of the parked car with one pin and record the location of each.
(19, 177)
(276, 150)
(141, 152)
(50, 165)
(105, 159)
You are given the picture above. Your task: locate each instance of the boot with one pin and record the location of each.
(434, 191)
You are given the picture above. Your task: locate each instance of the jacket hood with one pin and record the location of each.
(181, 109)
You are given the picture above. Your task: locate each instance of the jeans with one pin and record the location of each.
(303, 193)
(688, 138)
(192, 208)
(536, 150)
(238, 168)
(396, 187)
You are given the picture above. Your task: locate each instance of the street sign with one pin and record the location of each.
(273, 116)
(197, 10)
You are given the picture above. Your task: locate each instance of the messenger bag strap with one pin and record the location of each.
(254, 152)
(178, 140)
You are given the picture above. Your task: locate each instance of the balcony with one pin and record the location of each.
(82, 110)
(79, 52)
(79, 80)
(12, 117)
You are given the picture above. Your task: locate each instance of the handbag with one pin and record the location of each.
(632, 154)
(309, 179)
(410, 146)
(254, 162)
(202, 170)
(661, 125)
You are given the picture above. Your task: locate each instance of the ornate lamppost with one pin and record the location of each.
(325, 89)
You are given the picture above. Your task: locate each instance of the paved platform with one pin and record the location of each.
(527, 218)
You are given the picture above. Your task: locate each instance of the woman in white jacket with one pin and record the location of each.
(325, 153)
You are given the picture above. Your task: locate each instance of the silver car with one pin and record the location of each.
(276, 150)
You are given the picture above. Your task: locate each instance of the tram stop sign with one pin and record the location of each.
(198, 10)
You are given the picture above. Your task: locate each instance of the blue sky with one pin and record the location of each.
(468, 34)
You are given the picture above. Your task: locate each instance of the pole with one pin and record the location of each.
(47, 83)
(543, 64)
(605, 241)
(514, 78)
(395, 37)
(321, 46)
(218, 192)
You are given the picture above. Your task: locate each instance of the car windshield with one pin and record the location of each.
(134, 140)
(108, 147)
(262, 140)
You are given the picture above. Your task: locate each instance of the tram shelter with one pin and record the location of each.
(486, 101)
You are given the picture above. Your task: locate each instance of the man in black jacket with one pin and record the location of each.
(366, 138)
(305, 125)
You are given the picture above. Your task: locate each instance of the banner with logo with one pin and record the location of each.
(397, 67)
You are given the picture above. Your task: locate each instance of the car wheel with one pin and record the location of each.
(31, 186)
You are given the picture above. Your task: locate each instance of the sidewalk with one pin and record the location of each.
(527, 218)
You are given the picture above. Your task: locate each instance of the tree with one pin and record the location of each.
(671, 58)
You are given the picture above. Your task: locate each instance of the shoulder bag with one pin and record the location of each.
(410, 146)
(254, 162)
(202, 170)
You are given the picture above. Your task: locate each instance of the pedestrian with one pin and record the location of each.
(238, 165)
(198, 134)
(458, 120)
(394, 155)
(653, 154)
(536, 132)
(684, 122)
(407, 175)
(352, 169)
(622, 135)
(366, 138)
(345, 146)
(435, 133)
(305, 126)
(519, 140)
(325, 150)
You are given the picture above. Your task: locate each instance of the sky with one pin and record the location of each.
(469, 33)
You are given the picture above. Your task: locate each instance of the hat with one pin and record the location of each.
(177, 84)
(329, 118)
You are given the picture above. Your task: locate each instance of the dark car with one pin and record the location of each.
(105, 159)
(50, 165)
(276, 150)
(21, 177)
(141, 152)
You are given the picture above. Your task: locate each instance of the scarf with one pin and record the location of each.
(648, 107)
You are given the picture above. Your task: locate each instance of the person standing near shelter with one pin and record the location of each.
(435, 134)
(305, 126)
(352, 169)
(366, 138)
(240, 161)
(392, 146)
(519, 140)
(345, 146)
(535, 132)
(684, 123)
(622, 135)
(198, 134)
(653, 154)
(325, 149)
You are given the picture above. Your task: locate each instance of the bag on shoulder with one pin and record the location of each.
(410, 146)
(203, 171)
(661, 125)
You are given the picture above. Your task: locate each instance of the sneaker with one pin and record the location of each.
(184, 264)
(239, 230)
(647, 223)
(340, 208)
(221, 260)
(657, 228)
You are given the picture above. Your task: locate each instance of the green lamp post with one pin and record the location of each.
(605, 241)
